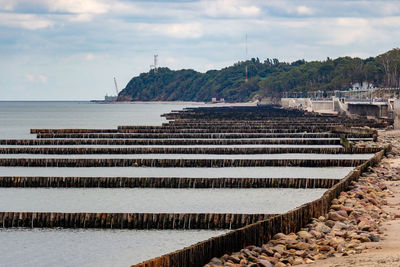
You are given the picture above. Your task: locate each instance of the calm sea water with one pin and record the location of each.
(17, 118)
(91, 247)
(65, 247)
(156, 200)
(239, 172)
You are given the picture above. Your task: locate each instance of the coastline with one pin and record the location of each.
(160, 102)
(187, 103)
(194, 103)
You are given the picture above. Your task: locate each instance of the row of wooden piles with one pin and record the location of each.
(217, 126)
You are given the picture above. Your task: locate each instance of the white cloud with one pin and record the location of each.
(90, 57)
(30, 77)
(209, 66)
(7, 5)
(42, 78)
(228, 8)
(386, 22)
(189, 30)
(382, 8)
(81, 17)
(26, 21)
(82, 11)
(119, 7)
(170, 60)
(78, 6)
(346, 31)
(176, 30)
(277, 7)
(303, 10)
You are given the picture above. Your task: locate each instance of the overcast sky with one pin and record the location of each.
(72, 49)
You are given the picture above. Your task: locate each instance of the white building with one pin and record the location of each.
(363, 86)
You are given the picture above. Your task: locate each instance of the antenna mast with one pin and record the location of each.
(116, 86)
(246, 57)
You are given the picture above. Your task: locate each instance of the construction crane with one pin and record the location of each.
(116, 86)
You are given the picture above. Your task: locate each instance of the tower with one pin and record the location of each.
(154, 66)
(246, 58)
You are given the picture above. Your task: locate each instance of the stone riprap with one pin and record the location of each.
(354, 219)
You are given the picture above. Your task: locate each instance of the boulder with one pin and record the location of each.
(335, 216)
(279, 248)
(264, 263)
(216, 261)
(304, 235)
(279, 236)
(374, 238)
(315, 233)
(322, 228)
(234, 258)
(364, 225)
(297, 261)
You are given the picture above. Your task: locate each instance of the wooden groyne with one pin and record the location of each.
(37, 131)
(261, 232)
(198, 163)
(160, 221)
(211, 130)
(228, 113)
(265, 121)
(259, 113)
(234, 127)
(294, 141)
(163, 182)
(170, 142)
(277, 122)
(272, 132)
(245, 124)
(241, 135)
(185, 150)
(214, 135)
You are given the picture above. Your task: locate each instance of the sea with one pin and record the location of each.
(106, 247)
(18, 117)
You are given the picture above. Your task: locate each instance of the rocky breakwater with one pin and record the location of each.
(354, 220)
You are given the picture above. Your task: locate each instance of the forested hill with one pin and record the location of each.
(267, 78)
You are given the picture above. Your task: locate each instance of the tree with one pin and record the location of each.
(269, 78)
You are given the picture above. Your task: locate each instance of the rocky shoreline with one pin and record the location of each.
(353, 223)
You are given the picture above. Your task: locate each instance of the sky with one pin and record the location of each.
(72, 49)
